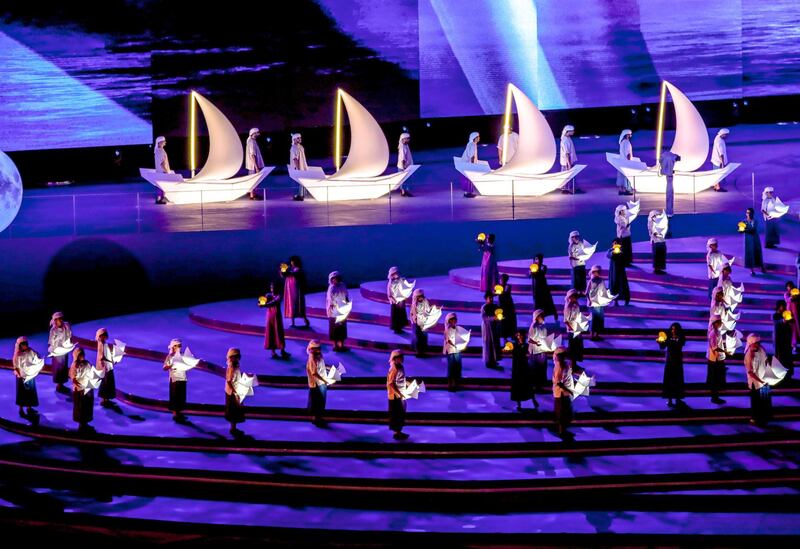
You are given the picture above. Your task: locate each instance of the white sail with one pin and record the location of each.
(225, 153)
(691, 135)
(369, 151)
(536, 152)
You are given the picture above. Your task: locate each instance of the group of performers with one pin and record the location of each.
(529, 348)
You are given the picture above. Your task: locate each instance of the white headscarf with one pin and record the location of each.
(253, 130)
(472, 137)
(723, 131)
(571, 235)
(403, 135)
(537, 313)
(295, 136)
(752, 339)
(567, 128)
(448, 317)
(332, 275)
(173, 343)
(619, 209)
(653, 214)
(765, 191)
(623, 134)
(570, 293)
(392, 271)
(56, 315)
(160, 139)
(709, 242)
(594, 268)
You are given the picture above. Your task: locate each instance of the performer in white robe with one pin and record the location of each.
(567, 156)
(336, 297)
(719, 155)
(658, 243)
(772, 235)
(60, 333)
(253, 161)
(22, 359)
(404, 160)
(177, 381)
(162, 164)
(470, 154)
(755, 360)
(625, 151)
(513, 145)
(713, 257)
(297, 160)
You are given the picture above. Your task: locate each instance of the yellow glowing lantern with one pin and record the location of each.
(662, 337)
(498, 314)
(262, 300)
(616, 249)
(284, 267)
(498, 289)
(481, 237)
(794, 292)
(787, 315)
(508, 347)
(534, 268)
(742, 225)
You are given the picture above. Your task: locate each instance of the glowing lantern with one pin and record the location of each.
(742, 225)
(662, 337)
(481, 237)
(616, 249)
(498, 314)
(508, 347)
(262, 301)
(787, 315)
(498, 289)
(534, 268)
(284, 267)
(794, 292)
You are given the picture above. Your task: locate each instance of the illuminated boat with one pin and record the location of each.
(216, 181)
(525, 174)
(691, 144)
(361, 176)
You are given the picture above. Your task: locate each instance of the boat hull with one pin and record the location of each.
(647, 180)
(490, 183)
(326, 189)
(178, 190)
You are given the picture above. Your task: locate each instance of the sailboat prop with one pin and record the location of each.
(361, 176)
(691, 144)
(525, 174)
(215, 182)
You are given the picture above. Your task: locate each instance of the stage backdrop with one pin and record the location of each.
(83, 74)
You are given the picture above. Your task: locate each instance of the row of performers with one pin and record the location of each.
(529, 351)
(529, 373)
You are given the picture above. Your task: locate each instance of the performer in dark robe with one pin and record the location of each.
(508, 326)
(752, 245)
(521, 372)
(782, 336)
(395, 384)
(294, 290)
(490, 340)
(274, 339)
(489, 275)
(673, 386)
(617, 274)
(562, 394)
(542, 297)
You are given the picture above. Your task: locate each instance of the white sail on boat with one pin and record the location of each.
(361, 176)
(215, 182)
(690, 143)
(526, 173)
